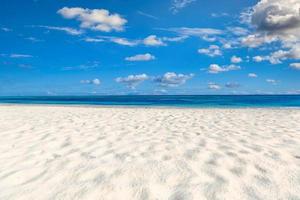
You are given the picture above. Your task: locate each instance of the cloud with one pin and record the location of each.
(212, 51)
(174, 39)
(235, 59)
(277, 17)
(140, 57)
(68, 30)
(124, 41)
(215, 69)
(295, 66)
(94, 40)
(278, 56)
(132, 81)
(94, 19)
(6, 29)
(239, 31)
(196, 32)
(92, 82)
(20, 56)
(272, 21)
(216, 15)
(252, 75)
(171, 79)
(179, 4)
(213, 86)
(232, 85)
(147, 15)
(272, 81)
(87, 66)
(33, 39)
(153, 40)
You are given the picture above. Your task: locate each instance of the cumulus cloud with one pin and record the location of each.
(274, 20)
(235, 59)
(140, 57)
(215, 69)
(252, 75)
(171, 79)
(68, 30)
(179, 4)
(95, 81)
(153, 40)
(278, 56)
(212, 51)
(295, 66)
(213, 86)
(132, 81)
(94, 19)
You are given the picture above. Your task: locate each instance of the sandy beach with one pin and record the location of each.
(57, 152)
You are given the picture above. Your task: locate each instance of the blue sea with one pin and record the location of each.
(163, 100)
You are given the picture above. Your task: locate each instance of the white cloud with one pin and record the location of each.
(252, 75)
(278, 56)
(196, 32)
(132, 81)
(256, 40)
(33, 39)
(20, 56)
(235, 59)
(215, 69)
(94, 19)
(258, 58)
(141, 57)
(272, 81)
(213, 86)
(124, 41)
(295, 66)
(92, 82)
(232, 85)
(171, 79)
(153, 40)
(239, 31)
(274, 21)
(212, 51)
(179, 4)
(68, 30)
(6, 29)
(174, 39)
(147, 15)
(219, 14)
(94, 40)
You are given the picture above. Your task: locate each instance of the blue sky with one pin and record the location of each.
(113, 47)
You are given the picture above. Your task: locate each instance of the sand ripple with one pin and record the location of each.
(149, 153)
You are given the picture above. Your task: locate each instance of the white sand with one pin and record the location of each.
(54, 152)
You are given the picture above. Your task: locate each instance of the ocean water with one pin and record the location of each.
(163, 100)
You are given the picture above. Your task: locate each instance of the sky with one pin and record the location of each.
(152, 47)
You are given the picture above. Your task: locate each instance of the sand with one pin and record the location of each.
(56, 152)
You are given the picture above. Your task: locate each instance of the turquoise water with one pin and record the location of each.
(164, 100)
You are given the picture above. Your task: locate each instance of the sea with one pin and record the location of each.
(196, 101)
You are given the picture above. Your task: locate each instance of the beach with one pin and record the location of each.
(76, 152)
